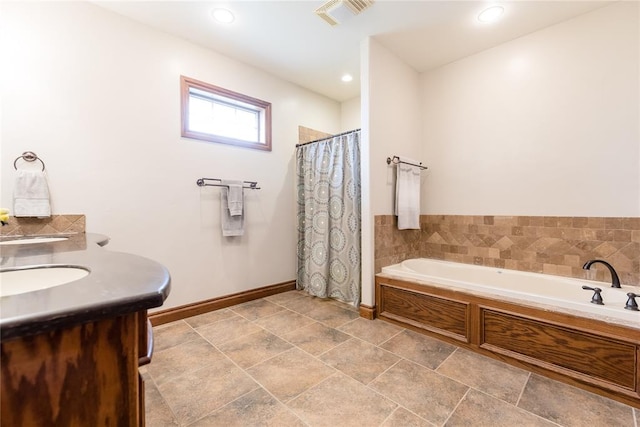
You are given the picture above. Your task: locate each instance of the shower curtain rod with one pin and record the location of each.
(322, 139)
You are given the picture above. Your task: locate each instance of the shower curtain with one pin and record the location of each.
(328, 184)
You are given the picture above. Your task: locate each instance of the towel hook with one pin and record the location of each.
(27, 156)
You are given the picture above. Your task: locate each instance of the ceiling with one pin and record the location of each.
(287, 39)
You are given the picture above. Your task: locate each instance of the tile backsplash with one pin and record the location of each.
(55, 224)
(540, 244)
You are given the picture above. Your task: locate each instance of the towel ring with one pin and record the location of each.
(28, 156)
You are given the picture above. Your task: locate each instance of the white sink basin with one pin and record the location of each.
(14, 282)
(29, 240)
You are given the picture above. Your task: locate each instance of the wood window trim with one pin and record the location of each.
(187, 82)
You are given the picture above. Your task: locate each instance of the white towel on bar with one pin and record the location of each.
(408, 195)
(232, 225)
(235, 197)
(31, 194)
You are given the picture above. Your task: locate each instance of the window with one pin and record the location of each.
(211, 113)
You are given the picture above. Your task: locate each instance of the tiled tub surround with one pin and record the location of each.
(55, 224)
(540, 244)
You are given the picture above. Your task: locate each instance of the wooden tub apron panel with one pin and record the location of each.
(595, 355)
(535, 341)
(433, 313)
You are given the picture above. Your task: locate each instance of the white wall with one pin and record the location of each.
(547, 124)
(97, 97)
(391, 126)
(350, 114)
(395, 105)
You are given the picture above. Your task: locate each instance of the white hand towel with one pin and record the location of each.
(232, 225)
(235, 197)
(408, 195)
(31, 194)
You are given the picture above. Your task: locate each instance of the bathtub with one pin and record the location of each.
(540, 290)
(539, 322)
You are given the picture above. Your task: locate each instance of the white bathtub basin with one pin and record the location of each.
(14, 282)
(556, 292)
(32, 240)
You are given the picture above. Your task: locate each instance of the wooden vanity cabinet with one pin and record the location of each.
(81, 375)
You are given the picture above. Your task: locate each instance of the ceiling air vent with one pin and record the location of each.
(336, 11)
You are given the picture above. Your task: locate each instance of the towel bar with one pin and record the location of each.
(250, 185)
(395, 160)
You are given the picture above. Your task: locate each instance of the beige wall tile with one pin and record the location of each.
(55, 224)
(552, 245)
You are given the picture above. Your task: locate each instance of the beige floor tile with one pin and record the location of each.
(257, 408)
(228, 329)
(341, 401)
(284, 322)
(190, 380)
(184, 358)
(481, 410)
(316, 338)
(304, 304)
(360, 360)
(193, 395)
(345, 305)
(157, 412)
(419, 348)
(374, 331)
(485, 374)
(332, 315)
(253, 310)
(285, 297)
(290, 373)
(172, 334)
(428, 394)
(248, 350)
(209, 318)
(572, 407)
(144, 373)
(403, 418)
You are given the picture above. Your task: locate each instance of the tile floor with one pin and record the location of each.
(294, 360)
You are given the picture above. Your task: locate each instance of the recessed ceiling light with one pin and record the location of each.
(491, 14)
(223, 16)
(347, 78)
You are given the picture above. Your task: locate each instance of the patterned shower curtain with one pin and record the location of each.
(328, 183)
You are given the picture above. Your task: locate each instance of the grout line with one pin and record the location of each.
(281, 402)
(457, 405)
(444, 360)
(333, 348)
(522, 391)
(345, 324)
(222, 407)
(392, 336)
(164, 400)
(406, 409)
(390, 415)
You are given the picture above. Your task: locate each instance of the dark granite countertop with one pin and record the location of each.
(118, 283)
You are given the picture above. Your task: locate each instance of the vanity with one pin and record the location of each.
(71, 347)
